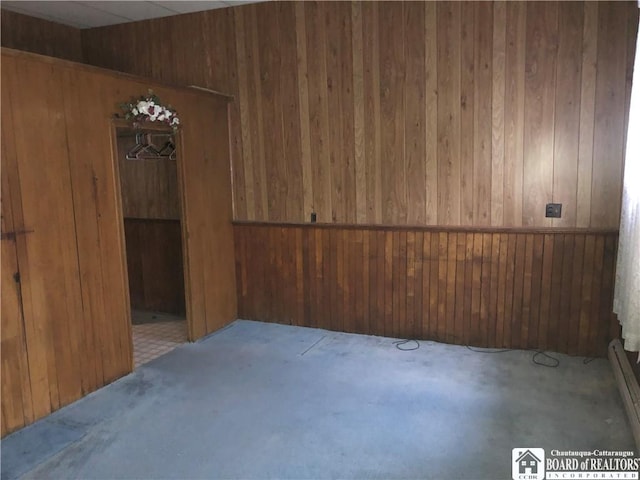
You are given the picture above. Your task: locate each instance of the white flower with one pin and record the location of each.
(149, 110)
(143, 107)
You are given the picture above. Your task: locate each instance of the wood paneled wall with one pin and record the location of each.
(426, 113)
(65, 304)
(153, 234)
(154, 265)
(505, 289)
(36, 35)
(149, 186)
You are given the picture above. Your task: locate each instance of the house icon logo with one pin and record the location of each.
(527, 463)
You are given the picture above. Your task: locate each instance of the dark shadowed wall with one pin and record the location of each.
(31, 34)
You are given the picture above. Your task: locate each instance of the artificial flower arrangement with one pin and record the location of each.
(149, 108)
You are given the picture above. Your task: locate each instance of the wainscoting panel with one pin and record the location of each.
(529, 289)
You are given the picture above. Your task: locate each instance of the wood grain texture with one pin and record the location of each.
(514, 114)
(206, 215)
(73, 324)
(149, 187)
(530, 290)
(567, 111)
(610, 109)
(17, 403)
(154, 265)
(436, 113)
(539, 131)
(23, 32)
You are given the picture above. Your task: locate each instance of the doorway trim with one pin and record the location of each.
(115, 165)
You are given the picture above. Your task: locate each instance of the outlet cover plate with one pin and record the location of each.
(553, 210)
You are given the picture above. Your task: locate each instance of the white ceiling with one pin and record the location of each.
(100, 13)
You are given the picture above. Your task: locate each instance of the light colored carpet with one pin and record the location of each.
(261, 400)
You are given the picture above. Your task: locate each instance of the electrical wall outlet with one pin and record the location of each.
(553, 210)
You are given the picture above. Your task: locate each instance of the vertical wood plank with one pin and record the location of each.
(410, 285)
(17, 404)
(567, 112)
(298, 316)
(330, 257)
(426, 286)
(381, 280)
(270, 64)
(468, 289)
(542, 27)
(482, 138)
(442, 285)
(452, 240)
(396, 289)
(514, 112)
(290, 116)
(255, 115)
(536, 287)
(419, 310)
(373, 127)
(498, 112)
(486, 322)
(476, 293)
(594, 343)
(459, 326)
(501, 292)
(587, 113)
(586, 296)
(415, 112)
(448, 19)
(493, 292)
(434, 284)
(372, 296)
(431, 119)
(401, 286)
(554, 326)
(526, 291)
(518, 290)
(392, 89)
(318, 110)
(340, 106)
(388, 283)
(565, 292)
(467, 115)
(359, 113)
(303, 101)
(576, 293)
(605, 319)
(364, 279)
(311, 310)
(608, 149)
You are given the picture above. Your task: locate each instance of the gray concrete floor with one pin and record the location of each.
(260, 400)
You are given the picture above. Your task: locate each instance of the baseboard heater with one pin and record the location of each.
(628, 385)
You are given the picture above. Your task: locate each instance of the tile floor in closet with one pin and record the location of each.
(155, 334)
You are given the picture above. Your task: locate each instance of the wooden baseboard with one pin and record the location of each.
(628, 385)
